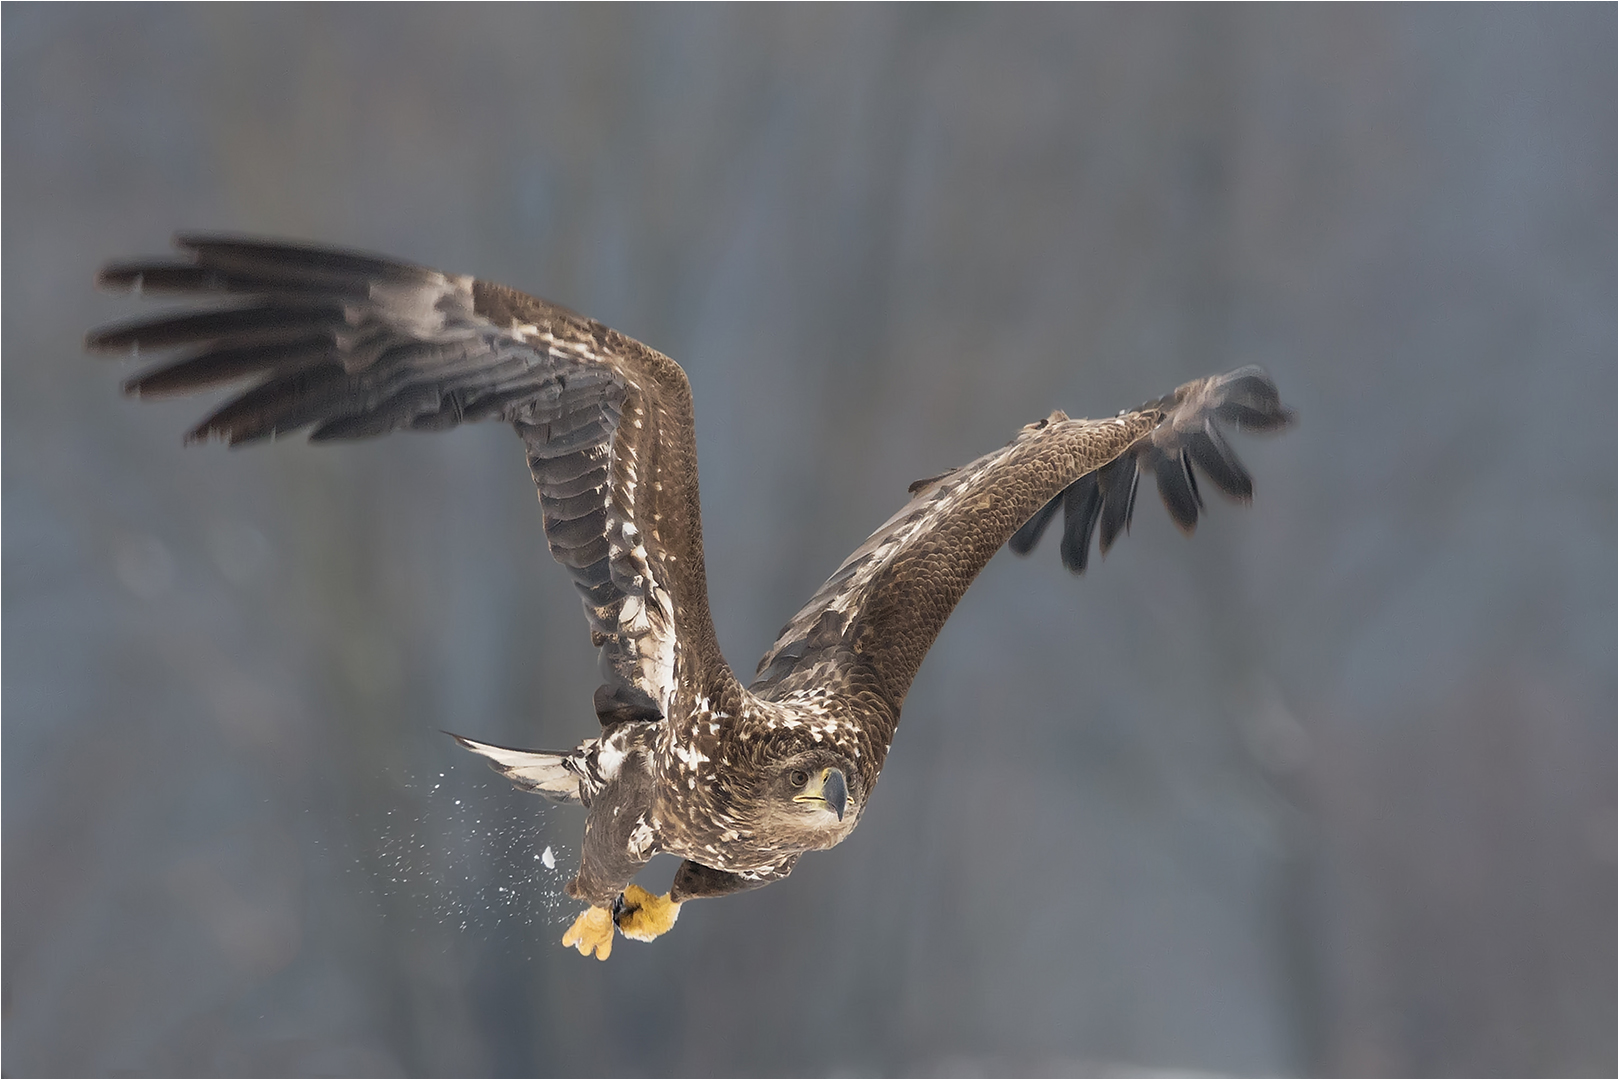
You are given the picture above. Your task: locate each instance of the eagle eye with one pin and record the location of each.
(799, 777)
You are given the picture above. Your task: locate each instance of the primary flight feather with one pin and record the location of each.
(738, 781)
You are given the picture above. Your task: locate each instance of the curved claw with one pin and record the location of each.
(642, 916)
(591, 932)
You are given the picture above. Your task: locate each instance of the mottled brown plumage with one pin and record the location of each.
(737, 781)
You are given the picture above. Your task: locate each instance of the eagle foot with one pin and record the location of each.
(591, 932)
(642, 916)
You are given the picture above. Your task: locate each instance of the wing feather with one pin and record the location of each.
(879, 613)
(353, 346)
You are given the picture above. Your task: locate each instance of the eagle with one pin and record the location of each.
(737, 780)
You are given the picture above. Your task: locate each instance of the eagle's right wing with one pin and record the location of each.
(356, 345)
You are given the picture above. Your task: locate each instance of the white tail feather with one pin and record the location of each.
(539, 771)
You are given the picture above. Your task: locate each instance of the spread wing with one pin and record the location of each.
(878, 615)
(353, 345)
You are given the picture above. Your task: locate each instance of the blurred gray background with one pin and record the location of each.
(1329, 788)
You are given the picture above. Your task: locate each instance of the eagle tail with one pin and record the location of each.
(543, 772)
(1188, 435)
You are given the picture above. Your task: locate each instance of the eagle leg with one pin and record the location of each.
(694, 881)
(642, 916)
(591, 932)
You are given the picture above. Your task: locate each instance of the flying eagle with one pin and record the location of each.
(739, 781)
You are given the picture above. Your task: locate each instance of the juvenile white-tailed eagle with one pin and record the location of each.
(738, 781)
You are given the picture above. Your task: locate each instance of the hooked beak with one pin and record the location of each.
(829, 788)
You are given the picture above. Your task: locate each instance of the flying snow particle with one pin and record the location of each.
(548, 858)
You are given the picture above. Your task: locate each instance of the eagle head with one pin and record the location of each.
(811, 798)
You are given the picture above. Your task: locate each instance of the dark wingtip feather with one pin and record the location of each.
(1175, 486)
(254, 322)
(1251, 419)
(1209, 450)
(120, 276)
(1082, 503)
(361, 426)
(1024, 540)
(1249, 399)
(225, 249)
(217, 366)
(1188, 439)
(1118, 480)
(1190, 434)
(282, 404)
(159, 276)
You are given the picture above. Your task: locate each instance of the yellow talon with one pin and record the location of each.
(644, 916)
(591, 932)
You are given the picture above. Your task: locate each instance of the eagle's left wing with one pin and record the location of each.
(353, 345)
(877, 616)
